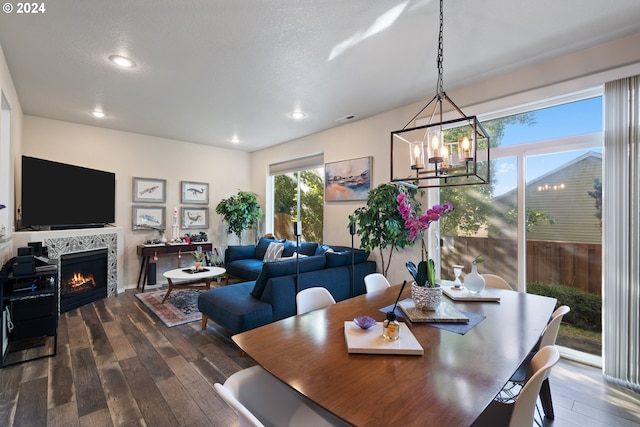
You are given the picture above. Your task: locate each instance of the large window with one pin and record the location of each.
(298, 195)
(538, 222)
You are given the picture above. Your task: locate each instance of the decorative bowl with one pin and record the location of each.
(365, 322)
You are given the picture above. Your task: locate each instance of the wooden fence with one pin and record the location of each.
(578, 265)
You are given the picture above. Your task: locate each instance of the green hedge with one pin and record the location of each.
(586, 308)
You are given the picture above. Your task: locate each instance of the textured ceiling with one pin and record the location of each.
(209, 70)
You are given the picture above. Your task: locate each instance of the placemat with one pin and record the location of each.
(458, 328)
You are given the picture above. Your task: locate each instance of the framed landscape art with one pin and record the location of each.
(195, 192)
(195, 218)
(347, 180)
(149, 190)
(146, 217)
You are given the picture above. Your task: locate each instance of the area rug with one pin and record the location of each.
(180, 307)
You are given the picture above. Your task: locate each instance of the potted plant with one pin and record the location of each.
(380, 224)
(198, 254)
(426, 293)
(240, 212)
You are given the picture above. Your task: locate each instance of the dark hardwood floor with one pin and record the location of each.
(118, 365)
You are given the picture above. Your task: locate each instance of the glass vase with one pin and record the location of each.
(473, 281)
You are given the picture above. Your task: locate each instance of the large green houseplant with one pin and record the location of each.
(240, 212)
(379, 223)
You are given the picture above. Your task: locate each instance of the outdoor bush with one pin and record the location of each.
(586, 308)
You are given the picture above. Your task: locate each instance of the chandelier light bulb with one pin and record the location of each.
(436, 142)
(464, 149)
(417, 155)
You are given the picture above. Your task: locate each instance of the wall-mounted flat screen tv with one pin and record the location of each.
(59, 195)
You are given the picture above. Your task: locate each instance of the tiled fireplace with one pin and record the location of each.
(67, 244)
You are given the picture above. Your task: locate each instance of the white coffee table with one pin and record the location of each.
(188, 280)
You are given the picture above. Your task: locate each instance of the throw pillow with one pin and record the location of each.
(262, 246)
(273, 252)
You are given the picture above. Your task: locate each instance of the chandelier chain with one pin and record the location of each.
(440, 88)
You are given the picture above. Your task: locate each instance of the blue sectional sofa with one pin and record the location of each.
(245, 262)
(270, 292)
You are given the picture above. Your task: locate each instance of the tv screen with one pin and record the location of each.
(61, 195)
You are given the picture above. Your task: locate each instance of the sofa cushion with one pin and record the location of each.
(286, 268)
(321, 249)
(306, 248)
(234, 308)
(289, 248)
(338, 259)
(248, 269)
(239, 252)
(273, 252)
(262, 246)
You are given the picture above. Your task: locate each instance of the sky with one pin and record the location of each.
(576, 118)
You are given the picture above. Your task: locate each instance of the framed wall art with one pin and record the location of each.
(149, 190)
(347, 180)
(194, 218)
(195, 192)
(145, 217)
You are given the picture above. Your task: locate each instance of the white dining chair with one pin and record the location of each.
(375, 282)
(521, 412)
(496, 282)
(260, 399)
(313, 299)
(548, 338)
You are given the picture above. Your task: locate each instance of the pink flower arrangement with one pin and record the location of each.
(415, 224)
(424, 273)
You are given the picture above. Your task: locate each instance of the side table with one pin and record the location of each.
(147, 251)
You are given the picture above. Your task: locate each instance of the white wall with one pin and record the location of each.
(133, 155)
(11, 149)
(370, 137)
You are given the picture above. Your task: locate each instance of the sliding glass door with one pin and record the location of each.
(297, 189)
(538, 223)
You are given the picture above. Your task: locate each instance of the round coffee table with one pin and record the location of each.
(190, 279)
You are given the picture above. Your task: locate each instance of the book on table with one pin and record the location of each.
(462, 294)
(445, 313)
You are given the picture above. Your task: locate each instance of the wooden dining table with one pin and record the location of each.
(449, 385)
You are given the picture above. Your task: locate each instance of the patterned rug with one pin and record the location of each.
(180, 307)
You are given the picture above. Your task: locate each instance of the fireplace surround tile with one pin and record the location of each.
(61, 242)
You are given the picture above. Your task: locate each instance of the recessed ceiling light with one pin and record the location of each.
(298, 115)
(98, 114)
(234, 139)
(122, 61)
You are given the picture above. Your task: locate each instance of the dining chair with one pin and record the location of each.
(521, 413)
(260, 399)
(518, 379)
(495, 281)
(375, 282)
(313, 299)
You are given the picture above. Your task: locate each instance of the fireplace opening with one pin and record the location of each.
(83, 278)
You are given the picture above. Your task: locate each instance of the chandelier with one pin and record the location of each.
(457, 149)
